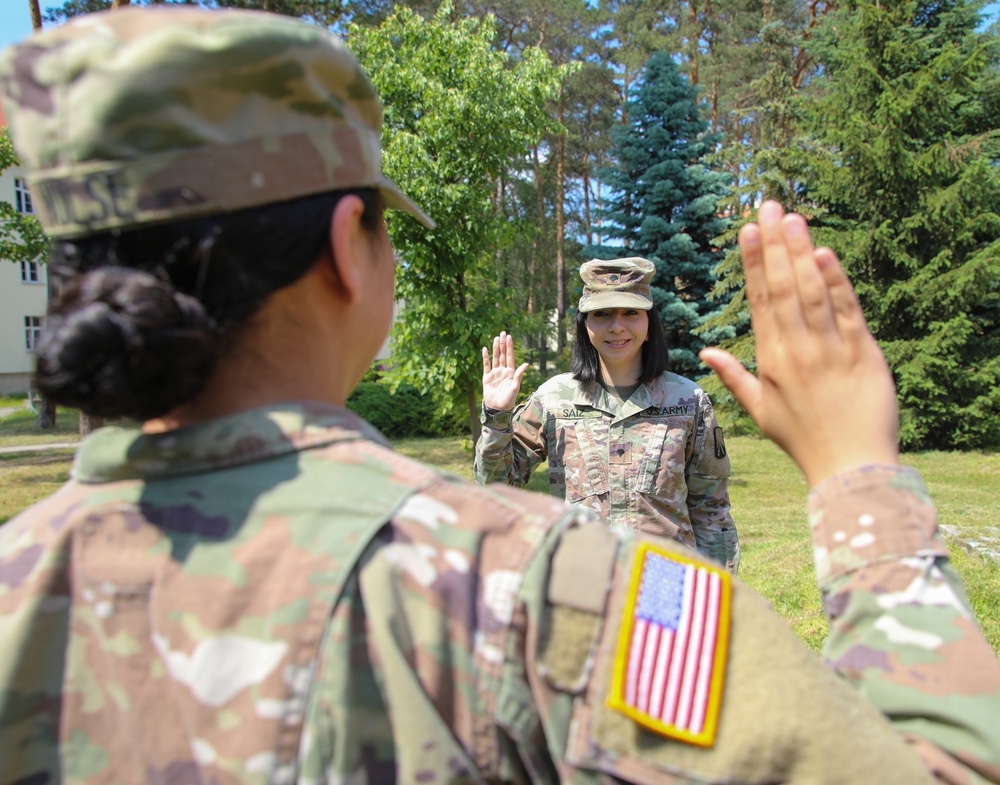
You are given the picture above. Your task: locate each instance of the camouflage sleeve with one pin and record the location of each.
(511, 445)
(707, 474)
(605, 679)
(901, 629)
(34, 622)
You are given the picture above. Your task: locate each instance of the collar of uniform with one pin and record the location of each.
(112, 453)
(594, 395)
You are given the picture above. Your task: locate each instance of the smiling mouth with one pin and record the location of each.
(618, 343)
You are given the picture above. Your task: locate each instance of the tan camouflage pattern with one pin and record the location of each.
(873, 577)
(138, 115)
(656, 463)
(616, 283)
(276, 597)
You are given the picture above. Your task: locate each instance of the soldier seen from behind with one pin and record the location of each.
(252, 587)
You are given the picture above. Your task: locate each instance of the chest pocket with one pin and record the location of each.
(578, 457)
(662, 443)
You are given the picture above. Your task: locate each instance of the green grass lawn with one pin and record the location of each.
(767, 492)
(19, 428)
(27, 477)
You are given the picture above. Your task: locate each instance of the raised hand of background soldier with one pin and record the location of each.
(823, 391)
(501, 377)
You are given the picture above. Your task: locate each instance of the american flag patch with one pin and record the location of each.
(672, 647)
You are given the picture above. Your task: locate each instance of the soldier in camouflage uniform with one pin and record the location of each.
(622, 435)
(253, 588)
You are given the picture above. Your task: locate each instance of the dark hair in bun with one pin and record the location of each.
(141, 316)
(123, 343)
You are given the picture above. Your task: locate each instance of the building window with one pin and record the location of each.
(32, 329)
(31, 272)
(22, 197)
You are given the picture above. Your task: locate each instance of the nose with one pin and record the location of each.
(617, 323)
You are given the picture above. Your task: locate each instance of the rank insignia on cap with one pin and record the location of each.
(671, 658)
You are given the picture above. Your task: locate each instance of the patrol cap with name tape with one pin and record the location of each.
(616, 283)
(139, 115)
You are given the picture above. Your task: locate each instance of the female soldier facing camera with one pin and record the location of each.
(621, 434)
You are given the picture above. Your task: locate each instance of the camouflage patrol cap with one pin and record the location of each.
(616, 283)
(137, 115)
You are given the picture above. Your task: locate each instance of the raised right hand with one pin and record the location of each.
(824, 392)
(501, 378)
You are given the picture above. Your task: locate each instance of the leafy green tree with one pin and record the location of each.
(903, 166)
(457, 114)
(666, 201)
(567, 30)
(22, 238)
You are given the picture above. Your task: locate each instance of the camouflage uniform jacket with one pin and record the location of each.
(656, 462)
(277, 597)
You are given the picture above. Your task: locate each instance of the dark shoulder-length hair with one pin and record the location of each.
(585, 365)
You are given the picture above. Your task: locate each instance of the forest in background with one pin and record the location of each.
(542, 133)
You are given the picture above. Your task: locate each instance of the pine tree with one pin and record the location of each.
(762, 61)
(665, 203)
(903, 165)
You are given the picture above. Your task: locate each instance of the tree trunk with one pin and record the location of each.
(499, 207)
(36, 15)
(89, 424)
(715, 106)
(542, 344)
(47, 409)
(475, 427)
(46, 414)
(600, 204)
(532, 266)
(627, 202)
(625, 85)
(560, 261)
(119, 4)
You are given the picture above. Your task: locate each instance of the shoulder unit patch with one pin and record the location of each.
(671, 656)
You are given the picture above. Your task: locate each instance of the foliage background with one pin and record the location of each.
(877, 119)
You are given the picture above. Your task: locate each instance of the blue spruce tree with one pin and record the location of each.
(665, 204)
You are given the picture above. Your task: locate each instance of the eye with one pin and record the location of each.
(599, 314)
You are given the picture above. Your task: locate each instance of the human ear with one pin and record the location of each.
(346, 234)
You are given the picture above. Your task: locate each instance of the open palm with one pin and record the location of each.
(501, 377)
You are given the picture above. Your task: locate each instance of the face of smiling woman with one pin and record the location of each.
(618, 335)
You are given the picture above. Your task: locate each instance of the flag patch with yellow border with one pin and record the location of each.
(671, 658)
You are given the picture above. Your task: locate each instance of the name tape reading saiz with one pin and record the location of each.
(668, 411)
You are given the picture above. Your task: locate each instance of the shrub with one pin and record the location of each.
(402, 413)
(731, 416)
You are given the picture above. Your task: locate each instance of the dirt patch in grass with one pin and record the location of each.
(46, 458)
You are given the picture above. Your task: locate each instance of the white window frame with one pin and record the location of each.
(32, 329)
(22, 197)
(31, 272)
